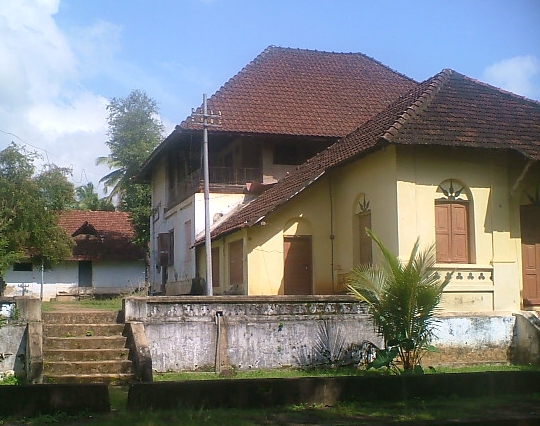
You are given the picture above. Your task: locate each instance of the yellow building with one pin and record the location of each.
(454, 162)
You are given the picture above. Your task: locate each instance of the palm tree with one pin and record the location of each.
(115, 179)
(88, 199)
(403, 298)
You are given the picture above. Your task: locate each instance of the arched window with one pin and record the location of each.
(452, 236)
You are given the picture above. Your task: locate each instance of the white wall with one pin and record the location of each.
(107, 276)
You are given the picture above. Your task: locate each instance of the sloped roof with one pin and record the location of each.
(101, 235)
(448, 109)
(305, 92)
(299, 92)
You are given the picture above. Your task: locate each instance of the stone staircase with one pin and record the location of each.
(85, 347)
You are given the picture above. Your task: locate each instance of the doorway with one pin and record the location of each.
(85, 273)
(530, 253)
(298, 275)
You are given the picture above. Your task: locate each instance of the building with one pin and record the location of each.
(453, 162)
(105, 260)
(278, 111)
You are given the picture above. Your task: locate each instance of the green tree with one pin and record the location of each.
(28, 222)
(403, 298)
(134, 131)
(88, 199)
(57, 191)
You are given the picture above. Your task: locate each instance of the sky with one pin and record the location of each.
(62, 61)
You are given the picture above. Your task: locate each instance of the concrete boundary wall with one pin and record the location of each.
(255, 332)
(20, 338)
(32, 400)
(261, 332)
(250, 393)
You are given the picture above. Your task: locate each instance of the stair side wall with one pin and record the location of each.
(527, 339)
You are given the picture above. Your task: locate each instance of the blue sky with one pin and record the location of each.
(61, 61)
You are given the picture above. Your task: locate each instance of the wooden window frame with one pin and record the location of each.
(453, 233)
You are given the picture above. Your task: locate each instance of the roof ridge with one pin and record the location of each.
(333, 52)
(422, 102)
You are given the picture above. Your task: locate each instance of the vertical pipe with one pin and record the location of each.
(217, 361)
(208, 240)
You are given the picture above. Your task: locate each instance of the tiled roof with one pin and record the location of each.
(466, 112)
(298, 92)
(448, 109)
(114, 235)
(305, 92)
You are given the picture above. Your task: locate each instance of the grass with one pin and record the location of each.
(323, 372)
(105, 304)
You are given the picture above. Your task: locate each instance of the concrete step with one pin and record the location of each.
(107, 379)
(87, 367)
(82, 317)
(85, 347)
(87, 342)
(82, 330)
(86, 355)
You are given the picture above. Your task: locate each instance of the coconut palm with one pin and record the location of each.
(116, 179)
(403, 299)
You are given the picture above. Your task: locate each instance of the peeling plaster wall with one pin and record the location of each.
(279, 331)
(254, 332)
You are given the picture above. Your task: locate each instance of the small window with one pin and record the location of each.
(23, 267)
(166, 249)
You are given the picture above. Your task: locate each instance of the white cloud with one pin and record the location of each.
(520, 74)
(42, 100)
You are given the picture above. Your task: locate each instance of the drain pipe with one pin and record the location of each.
(217, 359)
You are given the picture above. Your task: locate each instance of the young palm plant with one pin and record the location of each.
(403, 299)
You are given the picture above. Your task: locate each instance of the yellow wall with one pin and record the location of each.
(494, 214)
(401, 184)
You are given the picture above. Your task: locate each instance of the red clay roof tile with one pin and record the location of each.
(448, 109)
(299, 92)
(114, 240)
(305, 92)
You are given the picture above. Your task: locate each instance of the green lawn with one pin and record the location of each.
(323, 372)
(106, 304)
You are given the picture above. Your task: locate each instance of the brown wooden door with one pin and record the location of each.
(451, 232)
(236, 263)
(215, 267)
(298, 269)
(530, 253)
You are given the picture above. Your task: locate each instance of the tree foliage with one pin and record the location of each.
(28, 210)
(403, 298)
(57, 191)
(134, 131)
(88, 199)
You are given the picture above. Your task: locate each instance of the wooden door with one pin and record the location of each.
(85, 273)
(530, 253)
(215, 267)
(298, 268)
(236, 263)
